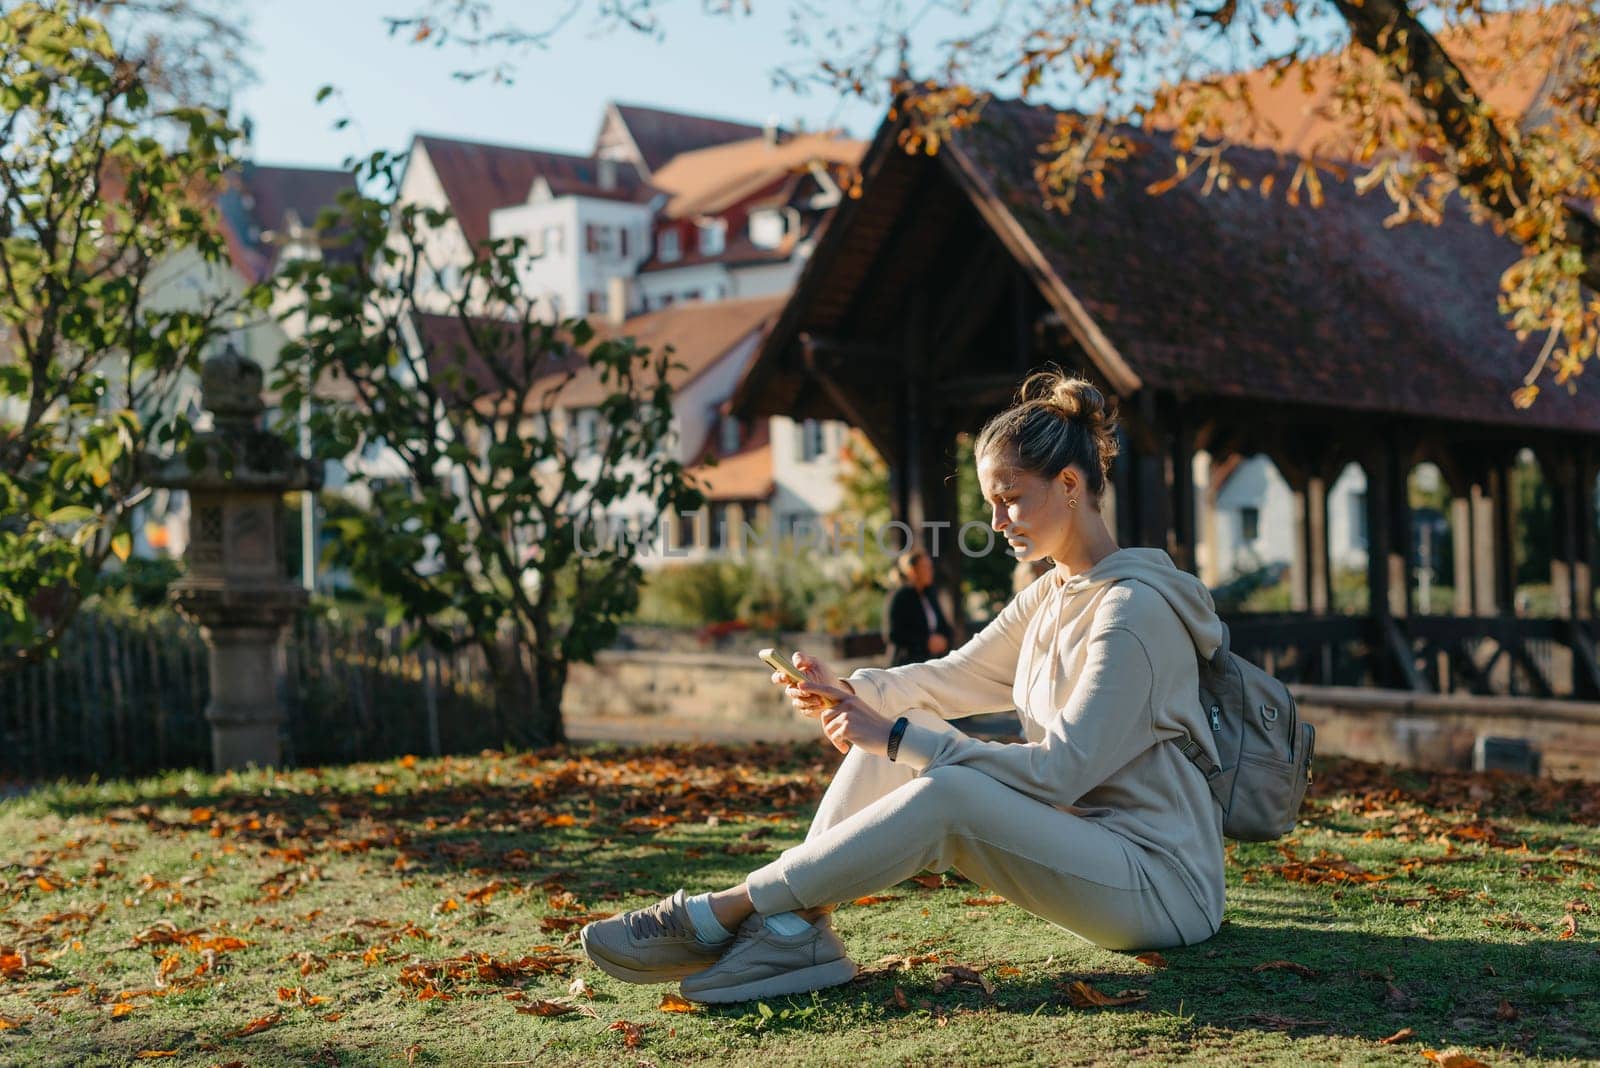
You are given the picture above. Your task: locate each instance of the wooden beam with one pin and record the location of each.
(850, 404)
(1180, 480)
(1503, 510)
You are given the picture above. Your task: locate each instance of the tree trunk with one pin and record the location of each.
(551, 673)
(528, 687)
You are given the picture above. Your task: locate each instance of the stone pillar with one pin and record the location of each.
(235, 589)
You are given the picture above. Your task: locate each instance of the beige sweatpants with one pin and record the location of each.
(879, 823)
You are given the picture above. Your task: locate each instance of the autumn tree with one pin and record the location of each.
(1415, 124)
(100, 187)
(488, 520)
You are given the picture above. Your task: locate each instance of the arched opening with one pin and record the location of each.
(1347, 541)
(1433, 541)
(1533, 535)
(1250, 534)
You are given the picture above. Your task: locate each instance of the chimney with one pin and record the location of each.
(769, 132)
(617, 293)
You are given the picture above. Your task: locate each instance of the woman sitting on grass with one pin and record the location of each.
(1098, 824)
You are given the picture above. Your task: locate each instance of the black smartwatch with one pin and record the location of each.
(895, 734)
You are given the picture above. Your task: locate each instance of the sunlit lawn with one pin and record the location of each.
(424, 911)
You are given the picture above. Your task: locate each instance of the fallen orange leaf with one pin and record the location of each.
(1453, 1058)
(875, 899)
(546, 1008)
(256, 1026)
(674, 1003)
(152, 1054)
(1285, 966)
(1084, 996)
(632, 1033)
(994, 900)
(1399, 1036)
(7, 1023)
(1152, 959)
(121, 1008)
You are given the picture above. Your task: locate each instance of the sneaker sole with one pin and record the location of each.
(802, 981)
(633, 975)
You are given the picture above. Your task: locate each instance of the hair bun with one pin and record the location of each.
(1071, 396)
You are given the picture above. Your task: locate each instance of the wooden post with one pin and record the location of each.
(1310, 571)
(1564, 522)
(1382, 497)
(1122, 482)
(1180, 477)
(1484, 587)
(1588, 540)
(1503, 510)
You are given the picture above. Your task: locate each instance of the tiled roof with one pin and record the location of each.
(711, 180)
(257, 200)
(1508, 59)
(661, 135)
(700, 335)
(478, 178)
(1233, 294)
(745, 475)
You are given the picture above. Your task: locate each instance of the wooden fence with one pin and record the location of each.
(128, 698)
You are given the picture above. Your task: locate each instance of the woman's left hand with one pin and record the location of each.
(851, 721)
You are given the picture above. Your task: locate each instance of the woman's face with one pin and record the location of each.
(1030, 512)
(922, 571)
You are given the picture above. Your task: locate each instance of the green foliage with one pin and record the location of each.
(99, 189)
(1535, 532)
(496, 530)
(694, 594)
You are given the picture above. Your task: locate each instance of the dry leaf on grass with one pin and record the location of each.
(632, 1033)
(153, 1054)
(1152, 959)
(897, 1000)
(1285, 966)
(985, 901)
(1505, 1011)
(1084, 996)
(673, 1003)
(258, 1025)
(875, 899)
(546, 1008)
(1453, 1058)
(1399, 1036)
(8, 1023)
(928, 882)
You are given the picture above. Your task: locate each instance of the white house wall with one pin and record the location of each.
(1256, 483)
(446, 246)
(710, 280)
(765, 279)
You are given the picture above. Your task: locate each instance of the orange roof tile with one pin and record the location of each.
(743, 476)
(1508, 59)
(713, 179)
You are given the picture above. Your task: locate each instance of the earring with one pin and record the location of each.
(1072, 502)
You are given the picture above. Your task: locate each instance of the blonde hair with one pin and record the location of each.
(1057, 420)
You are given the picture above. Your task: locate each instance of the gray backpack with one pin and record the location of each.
(1264, 748)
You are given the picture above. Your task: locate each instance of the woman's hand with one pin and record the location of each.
(808, 704)
(851, 721)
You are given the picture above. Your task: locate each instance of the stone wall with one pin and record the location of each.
(1439, 730)
(1392, 726)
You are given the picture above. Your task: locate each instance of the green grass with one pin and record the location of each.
(359, 875)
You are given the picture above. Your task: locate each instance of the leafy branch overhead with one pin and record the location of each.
(1415, 96)
(107, 197)
(455, 404)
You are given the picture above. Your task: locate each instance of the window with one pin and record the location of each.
(597, 302)
(622, 242)
(1249, 524)
(719, 526)
(766, 228)
(693, 294)
(667, 247)
(730, 435)
(583, 437)
(1358, 518)
(810, 440)
(597, 239)
(713, 237)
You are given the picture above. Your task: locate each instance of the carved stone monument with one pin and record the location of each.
(236, 588)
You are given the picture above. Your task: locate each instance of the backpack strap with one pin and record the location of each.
(1197, 756)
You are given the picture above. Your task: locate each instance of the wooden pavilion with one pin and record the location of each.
(1229, 323)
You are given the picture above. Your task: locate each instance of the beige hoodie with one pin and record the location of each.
(1102, 670)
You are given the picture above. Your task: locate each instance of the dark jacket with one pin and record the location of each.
(905, 625)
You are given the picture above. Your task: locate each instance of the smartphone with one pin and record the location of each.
(778, 663)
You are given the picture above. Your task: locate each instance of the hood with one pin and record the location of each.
(1186, 594)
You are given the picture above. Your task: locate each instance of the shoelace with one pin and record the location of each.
(657, 920)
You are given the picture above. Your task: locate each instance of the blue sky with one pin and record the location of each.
(392, 89)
